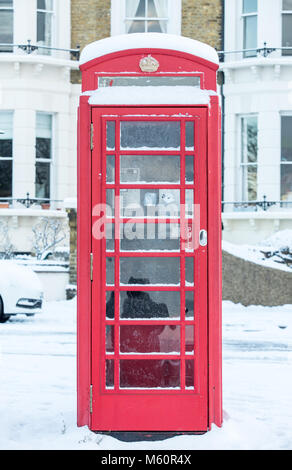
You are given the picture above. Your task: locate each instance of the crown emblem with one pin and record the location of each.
(149, 64)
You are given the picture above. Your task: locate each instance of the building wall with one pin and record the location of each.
(90, 21)
(202, 20)
(258, 86)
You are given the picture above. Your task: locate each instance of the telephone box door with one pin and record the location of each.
(149, 282)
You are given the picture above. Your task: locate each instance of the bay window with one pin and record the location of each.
(286, 158)
(45, 17)
(249, 157)
(43, 155)
(250, 26)
(6, 153)
(6, 25)
(287, 26)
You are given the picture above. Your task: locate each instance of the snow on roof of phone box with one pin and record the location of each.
(148, 41)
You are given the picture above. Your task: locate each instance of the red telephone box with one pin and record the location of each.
(149, 236)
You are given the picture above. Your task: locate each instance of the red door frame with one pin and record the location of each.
(118, 400)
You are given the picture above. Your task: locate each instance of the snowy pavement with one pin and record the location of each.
(38, 392)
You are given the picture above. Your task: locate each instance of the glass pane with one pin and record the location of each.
(110, 135)
(147, 169)
(190, 382)
(110, 305)
(286, 139)
(150, 339)
(44, 125)
(110, 373)
(162, 271)
(5, 178)
(6, 3)
(6, 29)
(249, 183)
(150, 202)
(44, 31)
(135, 8)
(45, 4)
(135, 27)
(249, 139)
(110, 202)
(189, 305)
(287, 34)
(189, 271)
(110, 169)
(146, 135)
(110, 339)
(250, 35)
(5, 148)
(43, 177)
(189, 203)
(149, 374)
(149, 81)
(6, 125)
(190, 136)
(152, 304)
(189, 339)
(110, 271)
(43, 148)
(157, 8)
(150, 237)
(189, 169)
(110, 237)
(287, 5)
(250, 6)
(286, 182)
(156, 26)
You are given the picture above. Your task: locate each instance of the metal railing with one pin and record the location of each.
(256, 206)
(29, 48)
(258, 51)
(30, 201)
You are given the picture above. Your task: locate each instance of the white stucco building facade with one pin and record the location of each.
(38, 107)
(257, 118)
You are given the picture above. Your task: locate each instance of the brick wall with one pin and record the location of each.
(201, 20)
(90, 21)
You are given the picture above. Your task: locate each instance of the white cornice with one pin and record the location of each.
(38, 60)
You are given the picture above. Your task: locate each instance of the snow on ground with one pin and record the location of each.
(38, 393)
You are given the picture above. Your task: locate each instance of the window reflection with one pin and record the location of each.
(149, 373)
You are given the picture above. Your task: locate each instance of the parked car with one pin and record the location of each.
(20, 291)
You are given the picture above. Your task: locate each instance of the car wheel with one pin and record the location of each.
(30, 314)
(3, 318)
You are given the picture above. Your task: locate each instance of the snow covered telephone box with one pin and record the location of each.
(149, 236)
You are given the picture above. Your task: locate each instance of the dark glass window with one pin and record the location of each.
(45, 24)
(6, 24)
(287, 26)
(6, 154)
(43, 155)
(286, 158)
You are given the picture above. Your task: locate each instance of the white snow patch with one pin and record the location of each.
(38, 377)
(138, 95)
(148, 41)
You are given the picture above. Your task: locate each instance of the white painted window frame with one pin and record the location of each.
(13, 23)
(284, 12)
(243, 20)
(243, 165)
(53, 26)
(118, 15)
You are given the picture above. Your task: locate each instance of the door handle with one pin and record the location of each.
(203, 237)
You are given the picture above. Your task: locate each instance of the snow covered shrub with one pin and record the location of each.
(48, 233)
(6, 247)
